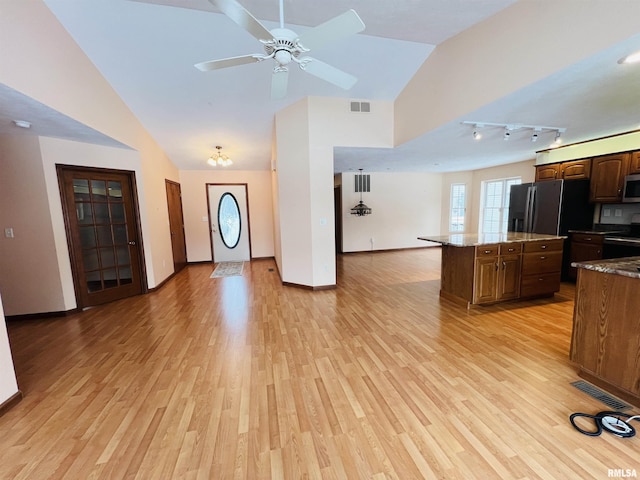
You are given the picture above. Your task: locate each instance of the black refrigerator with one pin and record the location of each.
(551, 207)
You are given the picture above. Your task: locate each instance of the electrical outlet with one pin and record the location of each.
(606, 212)
(8, 232)
(618, 212)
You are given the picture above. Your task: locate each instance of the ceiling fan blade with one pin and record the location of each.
(338, 27)
(242, 17)
(330, 74)
(279, 81)
(226, 62)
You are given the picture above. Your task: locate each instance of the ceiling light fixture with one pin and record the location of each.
(219, 158)
(632, 58)
(362, 184)
(22, 123)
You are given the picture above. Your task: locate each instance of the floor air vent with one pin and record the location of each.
(598, 394)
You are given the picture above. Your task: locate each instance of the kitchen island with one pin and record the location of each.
(483, 269)
(605, 343)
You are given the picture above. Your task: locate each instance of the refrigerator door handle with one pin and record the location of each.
(533, 209)
(527, 212)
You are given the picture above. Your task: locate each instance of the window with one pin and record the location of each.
(456, 214)
(229, 220)
(495, 204)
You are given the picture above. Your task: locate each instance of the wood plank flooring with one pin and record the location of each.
(241, 377)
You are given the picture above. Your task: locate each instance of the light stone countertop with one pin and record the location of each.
(627, 266)
(475, 239)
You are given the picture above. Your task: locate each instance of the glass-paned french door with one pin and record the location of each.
(102, 229)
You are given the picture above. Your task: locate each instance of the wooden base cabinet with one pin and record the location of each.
(605, 343)
(584, 247)
(499, 272)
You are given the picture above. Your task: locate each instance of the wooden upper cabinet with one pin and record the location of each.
(634, 166)
(547, 172)
(576, 169)
(607, 177)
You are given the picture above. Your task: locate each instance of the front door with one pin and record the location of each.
(176, 225)
(101, 218)
(229, 222)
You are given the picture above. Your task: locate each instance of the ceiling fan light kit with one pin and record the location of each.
(285, 46)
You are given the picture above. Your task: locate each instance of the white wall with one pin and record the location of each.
(404, 207)
(306, 133)
(30, 279)
(195, 211)
(8, 384)
(74, 87)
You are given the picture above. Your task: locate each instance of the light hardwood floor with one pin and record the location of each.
(242, 377)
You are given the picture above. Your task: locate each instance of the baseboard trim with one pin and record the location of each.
(11, 402)
(161, 284)
(42, 315)
(362, 252)
(309, 287)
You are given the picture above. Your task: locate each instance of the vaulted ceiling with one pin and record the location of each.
(146, 50)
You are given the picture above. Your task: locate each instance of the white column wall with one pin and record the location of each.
(306, 134)
(8, 383)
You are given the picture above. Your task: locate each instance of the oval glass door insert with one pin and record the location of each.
(229, 220)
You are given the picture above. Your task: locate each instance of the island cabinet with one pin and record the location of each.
(605, 342)
(541, 268)
(475, 271)
(497, 273)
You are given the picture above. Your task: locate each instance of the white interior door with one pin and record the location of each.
(229, 222)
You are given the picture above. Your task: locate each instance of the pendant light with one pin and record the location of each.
(362, 183)
(219, 158)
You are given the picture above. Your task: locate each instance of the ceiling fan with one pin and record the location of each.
(285, 46)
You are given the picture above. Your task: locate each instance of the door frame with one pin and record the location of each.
(246, 191)
(75, 268)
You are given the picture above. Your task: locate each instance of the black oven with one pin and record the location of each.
(620, 246)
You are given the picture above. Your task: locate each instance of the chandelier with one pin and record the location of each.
(362, 184)
(219, 158)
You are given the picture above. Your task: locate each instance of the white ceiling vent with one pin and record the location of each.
(363, 107)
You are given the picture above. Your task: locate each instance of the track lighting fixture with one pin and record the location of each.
(509, 128)
(633, 58)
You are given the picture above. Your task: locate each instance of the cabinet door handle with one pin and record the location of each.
(543, 247)
(496, 266)
(487, 252)
(512, 249)
(588, 239)
(542, 257)
(504, 265)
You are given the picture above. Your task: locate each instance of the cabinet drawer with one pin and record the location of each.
(510, 248)
(533, 285)
(540, 246)
(587, 238)
(486, 251)
(536, 263)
